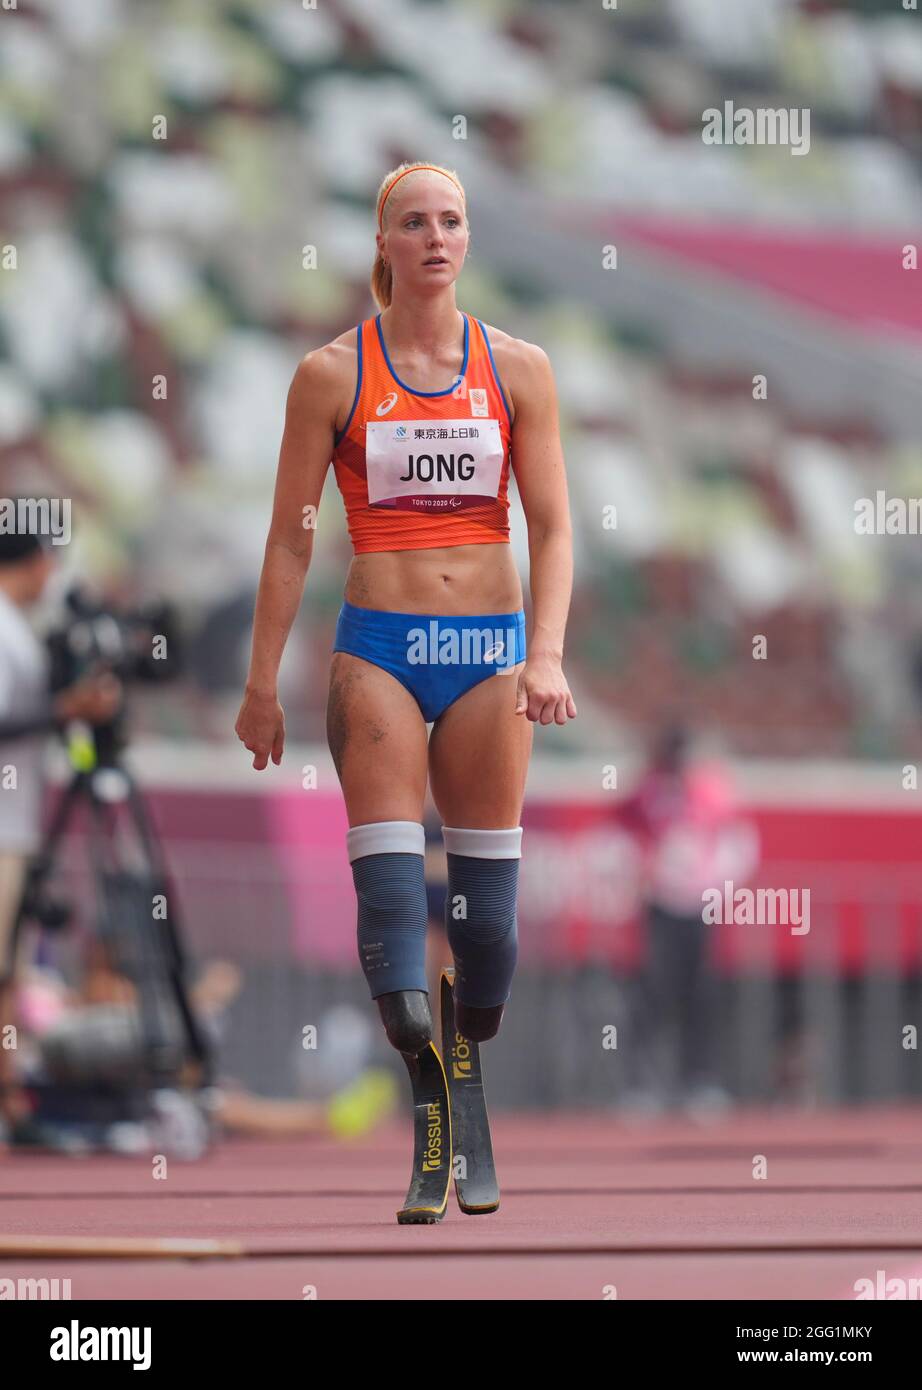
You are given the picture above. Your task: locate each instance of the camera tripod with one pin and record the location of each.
(136, 923)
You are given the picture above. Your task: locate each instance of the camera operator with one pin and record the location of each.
(29, 711)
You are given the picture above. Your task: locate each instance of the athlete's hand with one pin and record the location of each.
(543, 695)
(261, 727)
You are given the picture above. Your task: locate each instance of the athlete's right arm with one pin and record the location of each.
(304, 457)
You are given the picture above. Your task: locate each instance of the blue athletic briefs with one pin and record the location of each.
(437, 658)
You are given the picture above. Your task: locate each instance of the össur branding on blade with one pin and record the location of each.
(432, 1155)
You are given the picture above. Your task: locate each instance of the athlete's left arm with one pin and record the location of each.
(538, 465)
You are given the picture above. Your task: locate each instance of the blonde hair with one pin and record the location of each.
(382, 279)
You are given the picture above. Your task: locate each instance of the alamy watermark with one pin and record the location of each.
(77, 1342)
(36, 516)
(751, 907)
(893, 1288)
(743, 125)
(471, 646)
(888, 516)
(26, 1289)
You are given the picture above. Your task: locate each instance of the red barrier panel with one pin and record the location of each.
(580, 882)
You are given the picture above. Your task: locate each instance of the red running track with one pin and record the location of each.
(592, 1208)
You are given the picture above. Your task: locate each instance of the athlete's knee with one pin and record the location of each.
(407, 1019)
(480, 914)
(478, 1025)
(387, 859)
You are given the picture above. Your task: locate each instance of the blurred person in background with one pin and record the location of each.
(29, 712)
(693, 838)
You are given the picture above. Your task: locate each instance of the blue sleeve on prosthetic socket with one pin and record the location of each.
(481, 927)
(392, 913)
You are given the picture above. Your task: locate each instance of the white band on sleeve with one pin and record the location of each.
(386, 837)
(484, 844)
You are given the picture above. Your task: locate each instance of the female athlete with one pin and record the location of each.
(423, 411)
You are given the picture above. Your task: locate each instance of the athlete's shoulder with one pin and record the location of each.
(522, 366)
(326, 374)
(325, 366)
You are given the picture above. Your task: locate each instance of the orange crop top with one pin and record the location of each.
(419, 469)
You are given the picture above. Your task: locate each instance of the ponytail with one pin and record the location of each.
(382, 282)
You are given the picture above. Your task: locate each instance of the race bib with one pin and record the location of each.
(418, 465)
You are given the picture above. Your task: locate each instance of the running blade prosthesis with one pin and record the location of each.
(427, 1197)
(476, 1187)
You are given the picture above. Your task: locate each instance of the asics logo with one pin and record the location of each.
(390, 400)
(497, 649)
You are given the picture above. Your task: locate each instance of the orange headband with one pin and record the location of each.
(417, 168)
